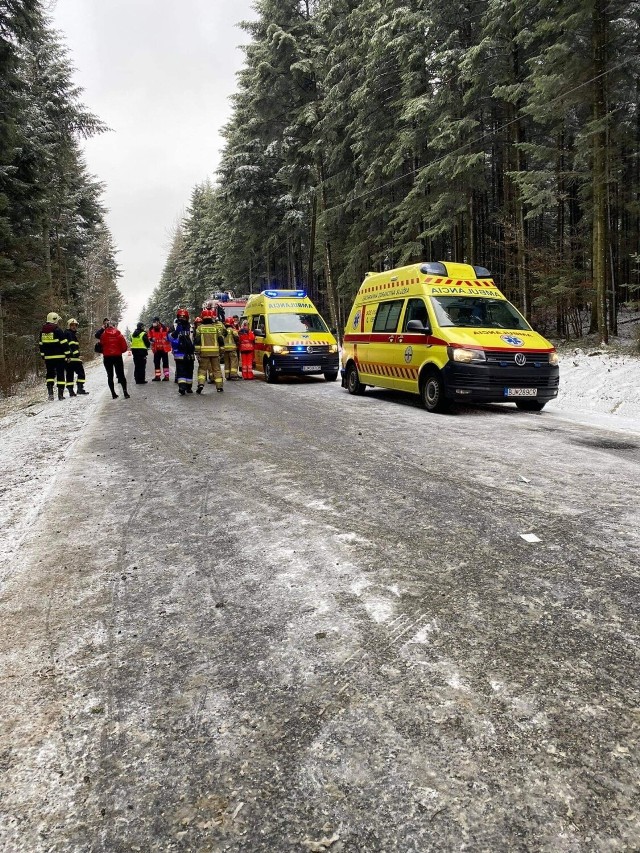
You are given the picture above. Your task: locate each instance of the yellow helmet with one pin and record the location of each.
(52, 317)
(72, 321)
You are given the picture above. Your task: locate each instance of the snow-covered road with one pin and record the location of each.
(247, 622)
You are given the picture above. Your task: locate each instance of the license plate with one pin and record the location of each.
(520, 392)
(312, 367)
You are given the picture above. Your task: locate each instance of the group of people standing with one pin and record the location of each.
(216, 343)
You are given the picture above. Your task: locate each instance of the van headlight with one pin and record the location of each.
(279, 350)
(333, 347)
(553, 358)
(466, 356)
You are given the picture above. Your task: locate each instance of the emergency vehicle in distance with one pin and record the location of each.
(291, 336)
(232, 306)
(444, 331)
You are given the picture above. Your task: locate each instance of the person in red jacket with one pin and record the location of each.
(114, 345)
(160, 347)
(246, 340)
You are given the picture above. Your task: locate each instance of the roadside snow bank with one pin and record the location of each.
(37, 437)
(600, 388)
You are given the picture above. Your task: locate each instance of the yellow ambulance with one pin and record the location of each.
(444, 331)
(291, 336)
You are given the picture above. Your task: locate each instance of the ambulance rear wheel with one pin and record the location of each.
(432, 393)
(354, 386)
(331, 375)
(269, 373)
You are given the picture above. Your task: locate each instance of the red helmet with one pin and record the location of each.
(229, 321)
(207, 313)
(182, 314)
(197, 321)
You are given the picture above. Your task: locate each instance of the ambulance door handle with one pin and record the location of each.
(391, 337)
(400, 339)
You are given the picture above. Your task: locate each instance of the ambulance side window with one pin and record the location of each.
(387, 316)
(416, 310)
(257, 322)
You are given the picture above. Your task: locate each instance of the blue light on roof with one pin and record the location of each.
(285, 294)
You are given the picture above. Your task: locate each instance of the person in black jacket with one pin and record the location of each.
(139, 346)
(74, 364)
(54, 349)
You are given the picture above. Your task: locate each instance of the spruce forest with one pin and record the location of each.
(367, 134)
(56, 252)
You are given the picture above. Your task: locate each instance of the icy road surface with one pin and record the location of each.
(286, 619)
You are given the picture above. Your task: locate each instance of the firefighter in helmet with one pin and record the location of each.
(54, 349)
(209, 339)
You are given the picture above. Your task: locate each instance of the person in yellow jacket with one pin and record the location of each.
(230, 350)
(139, 346)
(209, 341)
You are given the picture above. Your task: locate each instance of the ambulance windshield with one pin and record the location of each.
(295, 323)
(465, 311)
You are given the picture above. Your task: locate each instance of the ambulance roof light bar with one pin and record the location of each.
(277, 294)
(434, 268)
(482, 272)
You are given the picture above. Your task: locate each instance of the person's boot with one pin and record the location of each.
(60, 393)
(50, 395)
(81, 391)
(182, 390)
(124, 391)
(219, 389)
(156, 379)
(127, 396)
(199, 389)
(72, 393)
(189, 389)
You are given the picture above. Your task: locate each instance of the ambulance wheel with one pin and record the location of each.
(530, 405)
(269, 373)
(432, 393)
(331, 376)
(354, 386)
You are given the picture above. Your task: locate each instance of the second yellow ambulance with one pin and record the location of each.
(291, 336)
(444, 331)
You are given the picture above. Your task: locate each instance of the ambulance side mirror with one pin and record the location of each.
(416, 326)
(259, 332)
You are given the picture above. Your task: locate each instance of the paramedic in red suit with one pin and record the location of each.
(114, 345)
(246, 340)
(160, 347)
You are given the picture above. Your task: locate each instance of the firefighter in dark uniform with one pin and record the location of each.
(54, 349)
(74, 364)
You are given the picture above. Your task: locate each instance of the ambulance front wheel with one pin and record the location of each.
(432, 393)
(530, 405)
(269, 373)
(354, 386)
(331, 375)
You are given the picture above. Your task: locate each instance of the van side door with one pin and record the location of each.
(258, 321)
(412, 345)
(383, 358)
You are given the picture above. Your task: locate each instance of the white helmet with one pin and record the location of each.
(72, 321)
(52, 317)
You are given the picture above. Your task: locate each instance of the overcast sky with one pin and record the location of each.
(159, 73)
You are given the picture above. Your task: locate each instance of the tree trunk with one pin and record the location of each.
(312, 241)
(332, 296)
(46, 254)
(599, 229)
